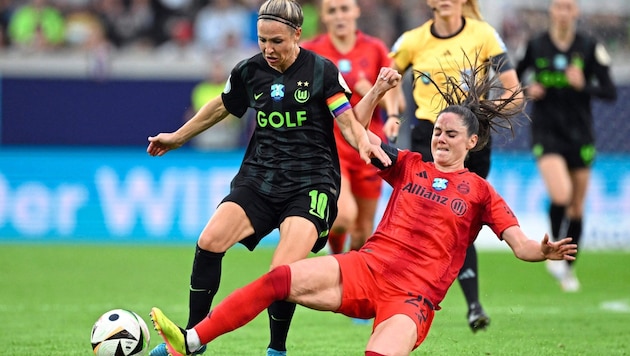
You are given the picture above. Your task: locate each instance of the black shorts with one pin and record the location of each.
(266, 212)
(575, 156)
(421, 134)
(479, 161)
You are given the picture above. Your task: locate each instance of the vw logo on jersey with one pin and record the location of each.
(560, 62)
(277, 92)
(345, 66)
(439, 184)
(302, 94)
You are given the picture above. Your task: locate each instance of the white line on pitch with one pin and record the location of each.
(618, 306)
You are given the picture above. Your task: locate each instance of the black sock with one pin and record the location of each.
(575, 231)
(204, 284)
(468, 277)
(557, 217)
(280, 315)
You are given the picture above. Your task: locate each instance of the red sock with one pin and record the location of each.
(337, 242)
(372, 353)
(245, 304)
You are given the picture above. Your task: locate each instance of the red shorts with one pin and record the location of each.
(364, 179)
(366, 296)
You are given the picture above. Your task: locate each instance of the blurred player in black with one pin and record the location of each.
(569, 69)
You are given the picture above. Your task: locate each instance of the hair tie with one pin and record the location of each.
(277, 18)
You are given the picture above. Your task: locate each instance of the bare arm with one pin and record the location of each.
(209, 114)
(357, 136)
(395, 105)
(533, 251)
(386, 80)
(510, 82)
(393, 101)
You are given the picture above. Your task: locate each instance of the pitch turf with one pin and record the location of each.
(50, 295)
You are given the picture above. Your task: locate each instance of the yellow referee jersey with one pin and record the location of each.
(439, 57)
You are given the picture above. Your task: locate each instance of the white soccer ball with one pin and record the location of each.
(120, 332)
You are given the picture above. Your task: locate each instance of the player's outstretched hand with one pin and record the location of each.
(162, 143)
(559, 250)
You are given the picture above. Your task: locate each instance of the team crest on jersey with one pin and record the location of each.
(302, 94)
(425, 78)
(345, 66)
(560, 62)
(463, 187)
(439, 184)
(277, 92)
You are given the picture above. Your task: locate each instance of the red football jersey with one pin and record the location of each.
(366, 58)
(431, 219)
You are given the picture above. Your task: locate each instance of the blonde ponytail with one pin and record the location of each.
(471, 9)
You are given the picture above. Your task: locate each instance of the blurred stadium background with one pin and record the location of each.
(80, 94)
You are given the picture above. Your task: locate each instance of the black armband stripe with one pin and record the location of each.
(392, 152)
(501, 63)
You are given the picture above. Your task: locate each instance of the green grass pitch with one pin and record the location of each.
(50, 295)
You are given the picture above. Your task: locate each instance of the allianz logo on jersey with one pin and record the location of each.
(278, 119)
(458, 206)
(421, 191)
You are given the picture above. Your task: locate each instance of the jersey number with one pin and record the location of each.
(319, 204)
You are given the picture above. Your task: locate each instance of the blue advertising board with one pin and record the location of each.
(122, 195)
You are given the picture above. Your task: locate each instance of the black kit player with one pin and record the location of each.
(570, 68)
(289, 178)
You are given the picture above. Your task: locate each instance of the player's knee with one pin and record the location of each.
(343, 222)
(213, 242)
(396, 335)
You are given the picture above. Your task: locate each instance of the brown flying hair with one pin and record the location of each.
(468, 97)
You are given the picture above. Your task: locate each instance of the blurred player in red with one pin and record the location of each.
(359, 58)
(402, 273)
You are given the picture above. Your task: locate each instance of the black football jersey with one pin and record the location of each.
(564, 114)
(292, 146)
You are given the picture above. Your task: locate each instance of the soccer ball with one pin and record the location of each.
(120, 332)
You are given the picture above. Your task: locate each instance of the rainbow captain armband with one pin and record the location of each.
(338, 103)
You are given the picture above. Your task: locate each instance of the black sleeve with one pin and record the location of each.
(333, 80)
(603, 88)
(234, 95)
(501, 63)
(392, 152)
(524, 63)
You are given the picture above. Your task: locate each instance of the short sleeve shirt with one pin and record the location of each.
(292, 146)
(441, 57)
(354, 65)
(431, 219)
